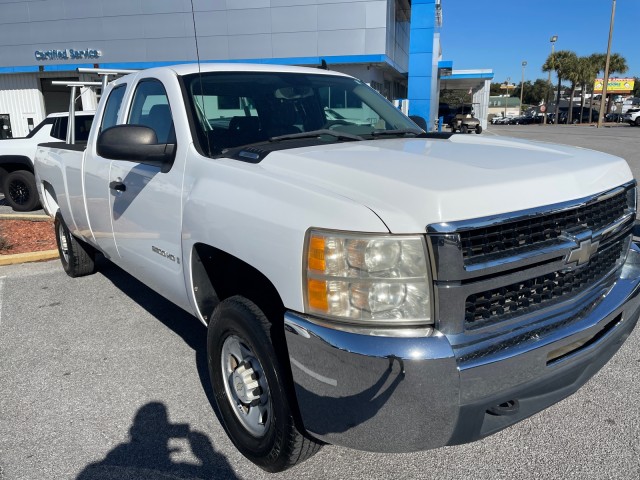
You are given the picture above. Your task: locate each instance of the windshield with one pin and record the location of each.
(233, 109)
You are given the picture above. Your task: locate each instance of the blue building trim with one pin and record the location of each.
(423, 27)
(331, 60)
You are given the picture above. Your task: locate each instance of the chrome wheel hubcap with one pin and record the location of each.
(64, 246)
(246, 386)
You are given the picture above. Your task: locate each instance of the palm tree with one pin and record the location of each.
(588, 71)
(573, 73)
(561, 62)
(617, 63)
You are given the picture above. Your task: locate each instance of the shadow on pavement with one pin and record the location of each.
(173, 317)
(147, 455)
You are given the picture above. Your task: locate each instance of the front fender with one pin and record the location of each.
(262, 218)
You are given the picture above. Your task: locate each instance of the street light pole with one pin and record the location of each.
(553, 41)
(605, 83)
(524, 64)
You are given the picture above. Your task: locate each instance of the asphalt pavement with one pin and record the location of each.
(101, 378)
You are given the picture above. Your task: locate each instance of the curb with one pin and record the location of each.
(28, 257)
(26, 216)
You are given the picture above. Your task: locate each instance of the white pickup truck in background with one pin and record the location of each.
(364, 283)
(16, 157)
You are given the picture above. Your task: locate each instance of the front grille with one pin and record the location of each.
(520, 298)
(525, 233)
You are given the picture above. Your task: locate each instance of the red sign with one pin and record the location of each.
(543, 108)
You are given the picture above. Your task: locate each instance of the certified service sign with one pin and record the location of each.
(67, 54)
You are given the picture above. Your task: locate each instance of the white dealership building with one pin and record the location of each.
(393, 45)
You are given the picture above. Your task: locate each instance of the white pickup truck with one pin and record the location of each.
(16, 157)
(364, 283)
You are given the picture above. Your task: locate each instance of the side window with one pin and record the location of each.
(83, 125)
(59, 129)
(111, 110)
(150, 108)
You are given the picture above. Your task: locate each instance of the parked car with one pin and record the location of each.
(16, 157)
(632, 117)
(614, 117)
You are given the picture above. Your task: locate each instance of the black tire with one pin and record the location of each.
(76, 256)
(637, 122)
(464, 129)
(276, 444)
(479, 129)
(20, 190)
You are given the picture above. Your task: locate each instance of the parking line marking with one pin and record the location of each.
(1, 291)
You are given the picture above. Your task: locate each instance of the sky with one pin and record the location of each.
(501, 34)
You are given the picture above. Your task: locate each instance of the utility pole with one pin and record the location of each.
(553, 41)
(605, 83)
(524, 64)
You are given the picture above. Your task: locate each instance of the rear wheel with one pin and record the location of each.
(20, 190)
(250, 388)
(76, 256)
(637, 122)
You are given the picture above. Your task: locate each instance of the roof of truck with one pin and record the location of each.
(66, 114)
(188, 68)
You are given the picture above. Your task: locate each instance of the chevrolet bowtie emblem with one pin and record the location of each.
(581, 255)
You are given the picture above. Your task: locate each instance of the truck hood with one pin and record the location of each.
(411, 183)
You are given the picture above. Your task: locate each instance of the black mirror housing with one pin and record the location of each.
(135, 143)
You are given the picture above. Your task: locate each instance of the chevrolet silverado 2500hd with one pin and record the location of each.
(364, 283)
(16, 157)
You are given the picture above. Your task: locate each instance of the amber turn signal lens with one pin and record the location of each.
(317, 294)
(316, 260)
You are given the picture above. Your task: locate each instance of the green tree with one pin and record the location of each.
(561, 62)
(636, 87)
(617, 64)
(534, 93)
(494, 89)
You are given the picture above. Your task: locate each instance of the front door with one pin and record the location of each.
(146, 203)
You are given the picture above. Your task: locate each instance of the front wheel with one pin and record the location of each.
(251, 388)
(76, 256)
(637, 122)
(20, 190)
(479, 129)
(464, 129)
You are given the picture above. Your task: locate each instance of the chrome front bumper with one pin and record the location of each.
(391, 394)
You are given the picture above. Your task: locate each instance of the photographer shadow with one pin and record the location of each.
(147, 455)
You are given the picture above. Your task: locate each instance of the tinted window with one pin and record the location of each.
(150, 108)
(59, 129)
(111, 110)
(83, 125)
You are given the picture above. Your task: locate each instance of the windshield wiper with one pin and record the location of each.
(315, 134)
(399, 131)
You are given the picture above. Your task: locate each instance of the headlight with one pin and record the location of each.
(368, 279)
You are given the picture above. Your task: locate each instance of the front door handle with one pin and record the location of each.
(117, 186)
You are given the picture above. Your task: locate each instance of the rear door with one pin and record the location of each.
(96, 175)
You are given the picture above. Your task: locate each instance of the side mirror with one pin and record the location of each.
(418, 120)
(135, 143)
